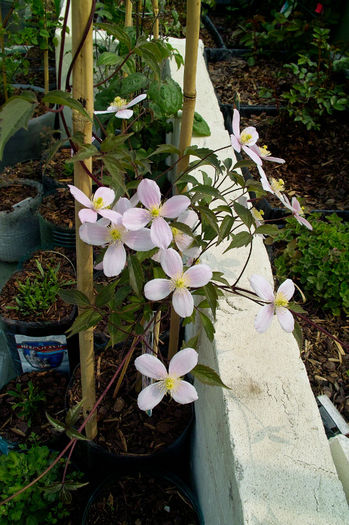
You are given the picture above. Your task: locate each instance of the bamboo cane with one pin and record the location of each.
(46, 73)
(128, 13)
(83, 91)
(189, 93)
(156, 19)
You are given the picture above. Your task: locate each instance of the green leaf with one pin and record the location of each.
(57, 425)
(239, 240)
(183, 228)
(217, 276)
(122, 35)
(74, 485)
(74, 434)
(73, 414)
(200, 126)
(64, 99)
(212, 298)
(296, 308)
(136, 274)
(74, 297)
(209, 217)
(208, 326)
(165, 148)
(167, 95)
(132, 83)
(116, 171)
(109, 59)
(267, 229)
(225, 228)
(85, 320)
(192, 343)
(244, 164)
(298, 334)
(14, 115)
(113, 142)
(244, 214)
(106, 294)
(208, 376)
(85, 152)
(205, 190)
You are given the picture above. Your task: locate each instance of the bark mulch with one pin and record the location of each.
(14, 194)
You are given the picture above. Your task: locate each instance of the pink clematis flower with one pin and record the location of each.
(149, 195)
(115, 236)
(171, 382)
(179, 282)
(296, 210)
(120, 106)
(247, 138)
(98, 204)
(275, 186)
(265, 154)
(276, 303)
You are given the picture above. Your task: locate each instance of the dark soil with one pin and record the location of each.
(14, 428)
(59, 310)
(59, 208)
(14, 194)
(58, 170)
(122, 427)
(227, 29)
(142, 501)
(22, 170)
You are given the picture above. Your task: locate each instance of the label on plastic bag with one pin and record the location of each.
(43, 353)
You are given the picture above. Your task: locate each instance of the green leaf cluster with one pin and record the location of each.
(28, 400)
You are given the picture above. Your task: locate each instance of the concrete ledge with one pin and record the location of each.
(261, 456)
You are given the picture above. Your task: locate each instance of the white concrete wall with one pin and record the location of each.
(261, 456)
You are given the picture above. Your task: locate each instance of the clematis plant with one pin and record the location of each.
(245, 140)
(98, 204)
(120, 107)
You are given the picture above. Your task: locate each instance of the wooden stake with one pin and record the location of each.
(156, 19)
(189, 93)
(83, 91)
(46, 73)
(128, 13)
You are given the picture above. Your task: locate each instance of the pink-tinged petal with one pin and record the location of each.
(124, 113)
(188, 217)
(192, 253)
(171, 263)
(182, 362)
(157, 289)
(174, 206)
(274, 159)
(94, 233)
(98, 266)
(139, 240)
(287, 288)
(262, 288)
(136, 218)
(296, 205)
(122, 205)
(157, 256)
(112, 215)
(114, 259)
(252, 155)
(149, 193)
(304, 222)
(264, 181)
(107, 194)
(236, 123)
(198, 275)
(110, 109)
(264, 318)
(184, 393)
(235, 143)
(150, 396)
(250, 130)
(182, 241)
(80, 196)
(161, 233)
(285, 319)
(150, 366)
(183, 302)
(134, 200)
(87, 215)
(136, 100)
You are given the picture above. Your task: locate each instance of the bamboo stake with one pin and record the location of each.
(189, 92)
(83, 91)
(156, 19)
(128, 13)
(46, 74)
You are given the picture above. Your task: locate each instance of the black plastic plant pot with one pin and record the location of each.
(213, 31)
(53, 235)
(163, 495)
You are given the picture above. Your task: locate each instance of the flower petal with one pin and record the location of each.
(262, 287)
(136, 218)
(136, 100)
(161, 233)
(80, 196)
(182, 362)
(252, 155)
(149, 193)
(304, 222)
(150, 396)
(198, 275)
(188, 217)
(124, 113)
(122, 205)
(251, 130)
(285, 319)
(264, 318)
(287, 288)
(106, 194)
(274, 159)
(236, 123)
(157, 289)
(114, 259)
(184, 393)
(235, 143)
(139, 240)
(110, 109)
(112, 215)
(87, 215)
(183, 302)
(183, 241)
(94, 233)
(150, 366)
(171, 263)
(174, 206)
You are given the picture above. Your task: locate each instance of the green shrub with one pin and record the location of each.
(318, 260)
(42, 503)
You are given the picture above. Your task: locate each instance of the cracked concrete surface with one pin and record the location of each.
(261, 456)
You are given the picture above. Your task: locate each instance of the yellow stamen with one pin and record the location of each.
(170, 383)
(98, 203)
(264, 151)
(180, 282)
(154, 211)
(277, 185)
(115, 234)
(280, 300)
(174, 231)
(245, 137)
(119, 102)
(257, 214)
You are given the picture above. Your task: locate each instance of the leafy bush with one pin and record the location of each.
(318, 260)
(28, 401)
(42, 503)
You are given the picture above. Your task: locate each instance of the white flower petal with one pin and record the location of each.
(124, 113)
(174, 206)
(183, 302)
(184, 393)
(161, 233)
(264, 318)
(285, 319)
(182, 362)
(94, 233)
(114, 259)
(150, 366)
(171, 263)
(149, 193)
(262, 288)
(136, 218)
(80, 196)
(157, 289)
(198, 275)
(139, 240)
(136, 100)
(287, 288)
(150, 396)
(106, 194)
